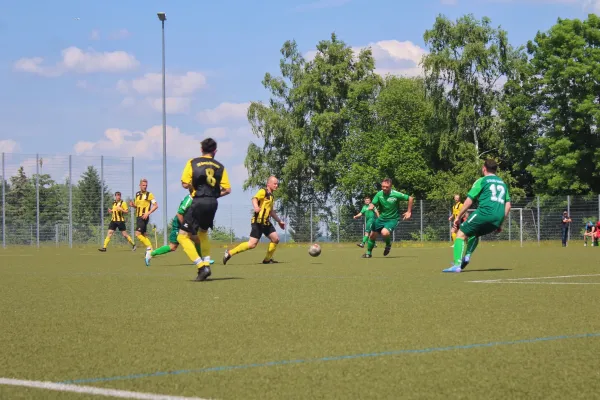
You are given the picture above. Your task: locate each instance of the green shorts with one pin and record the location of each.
(174, 231)
(477, 225)
(369, 225)
(379, 224)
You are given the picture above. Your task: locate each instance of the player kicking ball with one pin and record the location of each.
(173, 242)
(387, 202)
(370, 216)
(494, 206)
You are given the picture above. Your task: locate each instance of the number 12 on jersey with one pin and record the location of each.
(498, 192)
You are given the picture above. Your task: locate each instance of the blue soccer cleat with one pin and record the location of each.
(147, 258)
(212, 262)
(455, 268)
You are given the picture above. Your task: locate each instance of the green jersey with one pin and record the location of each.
(183, 206)
(492, 194)
(369, 214)
(389, 204)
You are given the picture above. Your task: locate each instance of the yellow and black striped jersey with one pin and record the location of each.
(118, 216)
(456, 209)
(265, 202)
(143, 201)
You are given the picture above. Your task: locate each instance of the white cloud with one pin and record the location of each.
(391, 57)
(224, 111)
(174, 105)
(120, 34)
(147, 144)
(95, 35)
(9, 146)
(80, 61)
(175, 85)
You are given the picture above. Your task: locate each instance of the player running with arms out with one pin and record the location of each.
(388, 203)
(370, 216)
(175, 224)
(494, 206)
(117, 221)
(262, 202)
(209, 181)
(144, 204)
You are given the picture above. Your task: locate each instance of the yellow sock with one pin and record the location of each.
(240, 248)
(453, 237)
(271, 251)
(204, 244)
(189, 248)
(106, 241)
(130, 240)
(145, 241)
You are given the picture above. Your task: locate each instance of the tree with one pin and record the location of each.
(222, 233)
(88, 198)
(20, 199)
(565, 74)
(463, 71)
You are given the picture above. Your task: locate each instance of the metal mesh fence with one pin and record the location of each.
(64, 200)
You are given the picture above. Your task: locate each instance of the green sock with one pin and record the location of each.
(472, 244)
(365, 238)
(388, 241)
(198, 248)
(459, 247)
(161, 250)
(370, 245)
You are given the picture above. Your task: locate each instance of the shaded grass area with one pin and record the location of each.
(79, 314)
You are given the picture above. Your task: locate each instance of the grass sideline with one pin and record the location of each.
(336, 326)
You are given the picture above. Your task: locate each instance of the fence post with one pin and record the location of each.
(101, 197)
(311, 222)
(285, 230)
(569, 214)
(421, 207)
(338, 223)
(56, 234)
(539, 220)
(4, 206)
(509, 227)
(37, 199)
(131, 214)
(70, 201)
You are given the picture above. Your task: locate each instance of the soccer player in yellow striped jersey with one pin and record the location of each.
(262, 202)
(117, 221)
(455, 211)
(144, 204)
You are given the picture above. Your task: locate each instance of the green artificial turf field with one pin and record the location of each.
(336, 326)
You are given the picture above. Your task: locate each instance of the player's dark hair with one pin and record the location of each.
(491, 165)
(387, 180)
(208, 146)
(117, 193)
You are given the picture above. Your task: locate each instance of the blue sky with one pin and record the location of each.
(83, 78)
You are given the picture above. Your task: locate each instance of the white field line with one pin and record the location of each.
(62, 387)
(531, 278)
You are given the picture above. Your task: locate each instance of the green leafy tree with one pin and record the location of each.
(20, 199)
(88, 198)
(222, 233)
(565, 74)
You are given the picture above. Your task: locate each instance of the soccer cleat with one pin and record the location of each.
(102, 250)
(203, 273)
(386, 251)
(455, 268)
(366, 256)
(360, 244)
(134, 248)
(465, 261)
(212, 262)
(226, 257)
(271, 261)
(147, 257)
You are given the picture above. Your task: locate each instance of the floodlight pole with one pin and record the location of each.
(162, 17)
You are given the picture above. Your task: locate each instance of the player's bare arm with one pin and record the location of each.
(255, 205)
(408, 212)
(152, 209)
(225, 191)
(274, 215)
(357, 216)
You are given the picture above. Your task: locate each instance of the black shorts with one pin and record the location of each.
(114, 225)
(200, 215)
(141, 225)
(259, 229)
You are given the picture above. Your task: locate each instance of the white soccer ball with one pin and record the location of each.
(314, 250)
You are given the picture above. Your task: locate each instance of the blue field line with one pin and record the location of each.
(331, 358)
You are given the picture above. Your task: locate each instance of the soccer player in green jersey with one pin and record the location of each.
(494, 206)
(370, 216)
(388, 203)
(173, 243)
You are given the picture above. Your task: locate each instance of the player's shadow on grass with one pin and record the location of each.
(487, 270)
(227, 278)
